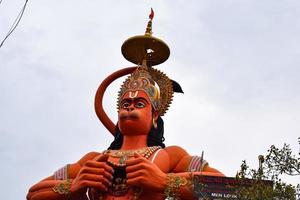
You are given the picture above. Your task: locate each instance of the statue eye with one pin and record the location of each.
(140, 104)
(125, 105)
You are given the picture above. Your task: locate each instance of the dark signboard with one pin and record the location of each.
(218, 188)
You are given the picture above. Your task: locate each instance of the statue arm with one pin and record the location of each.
(181, 164)
(43, 190)
(210, 171)
(170, 164)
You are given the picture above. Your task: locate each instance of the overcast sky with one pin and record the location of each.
(238, 63)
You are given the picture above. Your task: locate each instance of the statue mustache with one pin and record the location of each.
(128, 115)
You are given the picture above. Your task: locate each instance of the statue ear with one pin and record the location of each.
(155, 115)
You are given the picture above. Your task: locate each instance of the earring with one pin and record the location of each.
(154, 123)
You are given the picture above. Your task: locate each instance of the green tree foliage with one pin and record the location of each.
(273, 166)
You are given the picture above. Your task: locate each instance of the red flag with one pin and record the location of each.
(151, 14)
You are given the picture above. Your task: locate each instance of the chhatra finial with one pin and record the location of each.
(149, 26)
(145, 49)
(151, 14)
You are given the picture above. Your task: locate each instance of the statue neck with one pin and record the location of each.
(134, 142)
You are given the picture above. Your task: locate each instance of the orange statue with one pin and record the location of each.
(137, 165)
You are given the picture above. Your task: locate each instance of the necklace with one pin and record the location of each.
(123, 155)
(146, 152)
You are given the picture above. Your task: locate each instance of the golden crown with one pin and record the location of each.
(155, 83)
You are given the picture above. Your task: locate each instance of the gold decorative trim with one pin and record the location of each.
(63, 188)
(155, 83)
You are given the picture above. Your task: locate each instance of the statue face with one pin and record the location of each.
(135, 113)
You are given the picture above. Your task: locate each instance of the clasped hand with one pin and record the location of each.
(143, 173)
(95, 173)
(98, 174)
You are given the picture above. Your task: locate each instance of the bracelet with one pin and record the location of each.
(63, 188)
(173, 185)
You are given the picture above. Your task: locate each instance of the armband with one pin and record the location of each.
(62, 173)
(196, 164)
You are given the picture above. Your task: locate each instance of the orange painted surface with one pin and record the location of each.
(135, 119)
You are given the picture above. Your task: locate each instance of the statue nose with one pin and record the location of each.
(130, 108)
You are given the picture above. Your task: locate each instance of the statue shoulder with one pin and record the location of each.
(179, 158)
(177, 149)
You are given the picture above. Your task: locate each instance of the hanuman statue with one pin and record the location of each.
(137, 164)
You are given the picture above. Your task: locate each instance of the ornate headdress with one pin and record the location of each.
(145, 51)
(156, 84)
